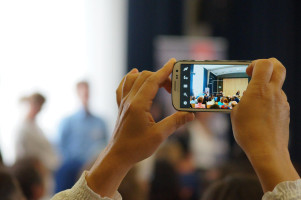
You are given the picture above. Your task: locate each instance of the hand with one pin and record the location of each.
(260, 123)
(136, 135)
(261, 119)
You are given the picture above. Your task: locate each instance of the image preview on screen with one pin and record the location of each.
(212, 86)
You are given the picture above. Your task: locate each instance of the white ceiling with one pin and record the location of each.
(225, 69)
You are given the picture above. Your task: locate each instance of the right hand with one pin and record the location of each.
(260, 124)
(261, 119)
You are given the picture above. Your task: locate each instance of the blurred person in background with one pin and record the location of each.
(31, 141)
(131, 187)
(208, 139)
(82, 137)
(188, 174)
(165, 183)
(29, 173)
(235, 187)
(9, 186)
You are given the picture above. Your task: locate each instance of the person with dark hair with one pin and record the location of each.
(165, 183)
(28, 173)
(235, 187)
(193, 100)
(9, 187)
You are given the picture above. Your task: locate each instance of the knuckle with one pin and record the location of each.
(132, 106)
(273, 59)
(145, 73)
(151, 79)
(265, 62)
(281, 69)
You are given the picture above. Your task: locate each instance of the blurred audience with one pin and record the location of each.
(208, 143)
(131, 187)
(215, 102)
(31, 141)
(165, 182)
(29, 173)
(82, 137)
(235, 187)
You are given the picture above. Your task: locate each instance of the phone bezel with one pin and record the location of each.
(176, 81)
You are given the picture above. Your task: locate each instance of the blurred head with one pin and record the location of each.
(83, 92)
(9, 187)
(235, 187)
(226, 101)
(36, 102)
(200, 100)
(165, 183)
(30, 179)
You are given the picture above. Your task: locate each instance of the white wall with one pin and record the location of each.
(48, 46)
(198, 80)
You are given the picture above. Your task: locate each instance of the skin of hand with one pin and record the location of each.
(260, 123)
(136, 135)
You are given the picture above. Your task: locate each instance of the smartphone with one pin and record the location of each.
(216, 85)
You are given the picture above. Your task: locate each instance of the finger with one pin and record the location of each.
(279, 73)
(139, 82)
(119, 89)
(128, 83)
(171, 123)
(262, 71)
(167, 85)
(249, 69)
(151, 86)
(284, 95)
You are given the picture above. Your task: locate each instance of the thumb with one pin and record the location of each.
(171, 123)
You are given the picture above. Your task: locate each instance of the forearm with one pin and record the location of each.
(107, 174)
(273, 168)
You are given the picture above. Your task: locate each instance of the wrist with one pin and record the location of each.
(106, 174)
(273, 167)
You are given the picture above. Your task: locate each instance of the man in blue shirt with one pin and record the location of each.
(82, 137)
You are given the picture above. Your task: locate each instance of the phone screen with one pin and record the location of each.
(212, 86)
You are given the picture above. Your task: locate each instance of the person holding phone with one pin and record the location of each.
(262, 131)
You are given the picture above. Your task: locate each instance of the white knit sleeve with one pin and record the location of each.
(81, 191)
(289, 190)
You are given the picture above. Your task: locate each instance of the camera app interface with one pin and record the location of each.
(212, 86)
